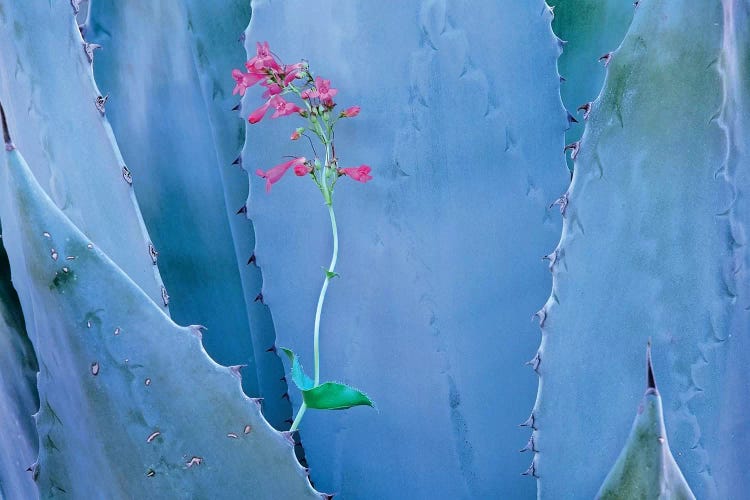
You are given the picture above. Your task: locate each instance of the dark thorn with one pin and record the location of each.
(651, 382)
(259, 298)
(573, 147)
(6, 134)
(563, 202)
(164, 296)
(289, 421)
(242, 210)
(606, 58)
(153, 253)
(530, 446)
(272, 348)
(237, 161)
(100, 101)
(236, 370)
(251, 260)
(562, 79)
(530, 422)
(635, 4)
(237, 107)
(534, 362)
(541, 314)
(288, 436)
(89, 48)
(531, 471)
(285, 396)
(586, 108)
(282, 379)
(127, 175)
(241, 39)
(571, 118)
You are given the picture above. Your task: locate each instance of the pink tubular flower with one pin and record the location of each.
(283, 108)
(272, 89)
(359, 174)
(307, 94)
(302, 170)
(297, 134)
(274, 174)
(259, 113)
(324, 91)
(350, 112)
(244, 80)
(293, 72)
(263, 59)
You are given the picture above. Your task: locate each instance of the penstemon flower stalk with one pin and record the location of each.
(316, 95)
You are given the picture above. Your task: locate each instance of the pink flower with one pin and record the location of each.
(283, 108)
(293, 72)
(272, 89)
(263, 59)
(360, 174)
(297, 134)
(274, 175)
(301, 170)
(259, 113)
(244, 80)
(324, 91)
(350, 112)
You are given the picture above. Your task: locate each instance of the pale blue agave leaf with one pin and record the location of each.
(130, 404)
(49, 94)
(654, 245)
(440, 253)
(168, 67)
(18, 395)
(217, 28)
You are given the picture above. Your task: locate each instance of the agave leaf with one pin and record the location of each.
(646, 467)
(463, 127)
(49, 94)
(130, 402)
(652, 242)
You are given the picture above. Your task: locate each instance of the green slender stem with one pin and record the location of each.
(322, 296)
(318, 312)
(298, 418)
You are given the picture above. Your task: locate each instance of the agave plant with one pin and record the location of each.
(127, 210)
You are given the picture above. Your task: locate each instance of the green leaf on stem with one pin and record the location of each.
(331, 274)
(334, 396)
(300, 378)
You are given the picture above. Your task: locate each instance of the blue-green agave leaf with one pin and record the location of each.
(130, 403)
(654, 244)
(59, 119)
(168, 67)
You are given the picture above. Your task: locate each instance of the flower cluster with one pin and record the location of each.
(316, 96)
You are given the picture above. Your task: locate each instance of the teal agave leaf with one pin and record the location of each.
(168, 68)
(653, 245)
(130, 403)
(591, 29)
(439, 256)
